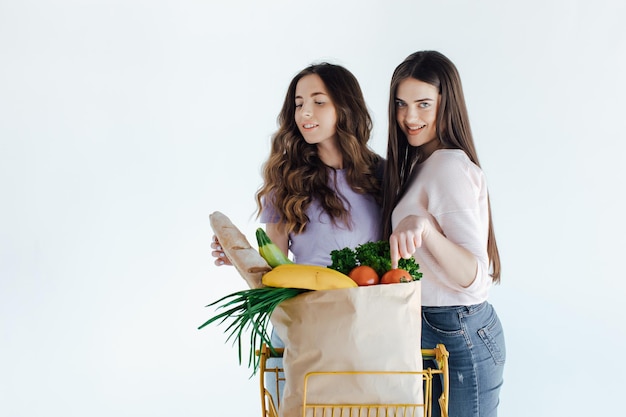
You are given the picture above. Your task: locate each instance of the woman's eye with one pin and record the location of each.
(400, 103)
(298, 105)
(424, 105)
(319, 102)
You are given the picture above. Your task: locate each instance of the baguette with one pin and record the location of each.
(247, 260)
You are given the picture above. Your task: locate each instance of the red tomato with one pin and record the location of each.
(394, 276)
(364, 275)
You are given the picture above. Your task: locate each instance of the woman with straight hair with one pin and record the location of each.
(436, 208)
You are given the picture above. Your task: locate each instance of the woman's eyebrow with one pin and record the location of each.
(418, 100)
(315, 94)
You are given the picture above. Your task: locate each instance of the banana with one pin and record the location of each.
(269, 251)
(308, 277)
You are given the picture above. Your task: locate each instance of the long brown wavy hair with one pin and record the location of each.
(453, 132)
(294, 175)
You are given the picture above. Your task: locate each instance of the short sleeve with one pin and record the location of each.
(268, 212)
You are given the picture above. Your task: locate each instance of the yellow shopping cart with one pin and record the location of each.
(439, 355)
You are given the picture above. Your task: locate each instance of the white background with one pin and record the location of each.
(124, 124)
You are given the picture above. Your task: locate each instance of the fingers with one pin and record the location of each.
(405, 239)
(218, 253)
(394, 251)
(220, 258)
(408, 249)
(401, 245)
(222, 261)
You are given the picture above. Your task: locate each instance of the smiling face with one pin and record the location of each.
(416, 113)
(315, 114)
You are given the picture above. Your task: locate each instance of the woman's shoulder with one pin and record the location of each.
(450, 160)
(377, 166)
(452, 166)
(451, 156)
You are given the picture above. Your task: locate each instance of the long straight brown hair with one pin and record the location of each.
(453, 132)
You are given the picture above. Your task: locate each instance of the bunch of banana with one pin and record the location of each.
(308, 277)
(286, 274)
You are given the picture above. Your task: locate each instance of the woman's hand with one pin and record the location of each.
(218, 253)
(407, 237)
(414, 232)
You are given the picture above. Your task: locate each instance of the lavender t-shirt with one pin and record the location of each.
(322, 236)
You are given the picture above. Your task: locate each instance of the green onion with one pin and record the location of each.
(250, 310)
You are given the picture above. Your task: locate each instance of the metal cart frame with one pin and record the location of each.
(439, 354)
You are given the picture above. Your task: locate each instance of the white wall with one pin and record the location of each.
(123, 124)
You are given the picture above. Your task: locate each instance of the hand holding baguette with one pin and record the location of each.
(218, 253)
(246, 259)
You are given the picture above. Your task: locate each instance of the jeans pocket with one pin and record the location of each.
(492, 336)
(443, 323)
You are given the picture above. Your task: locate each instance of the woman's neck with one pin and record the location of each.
(329, 154)
(428, 148)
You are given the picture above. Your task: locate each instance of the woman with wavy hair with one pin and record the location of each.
(321, 189)
(321, 183)
(436, 208)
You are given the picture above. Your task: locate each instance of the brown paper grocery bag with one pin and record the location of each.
(375, 328)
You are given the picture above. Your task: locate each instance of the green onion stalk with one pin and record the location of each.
(250, 311)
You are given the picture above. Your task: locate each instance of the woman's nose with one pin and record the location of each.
(411, 114)
(307, 111)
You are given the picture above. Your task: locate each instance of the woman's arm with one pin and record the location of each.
(414, 231)
(278, 236)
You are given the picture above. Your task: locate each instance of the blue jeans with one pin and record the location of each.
(274, 386)
(474, 338)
